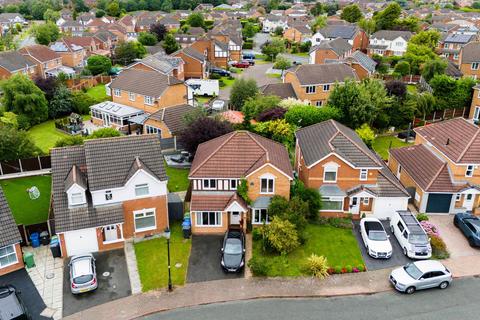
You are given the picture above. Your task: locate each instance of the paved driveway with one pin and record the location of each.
(456, 242)
(29, 294)
(110, 287)
(205, 257)
(397, 258)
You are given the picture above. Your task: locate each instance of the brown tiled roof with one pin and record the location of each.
(210, 201)
(143, 82)
(321, 139)
(457, 139)
(315, 74)
(9, 233)
(426, 169)
(237, 154)
(79, 41)
(173, 117)
(39, 52)
(282, 90)
(471, 52)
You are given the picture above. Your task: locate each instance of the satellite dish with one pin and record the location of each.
(33, 193)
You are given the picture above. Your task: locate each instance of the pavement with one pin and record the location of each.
(204, 261)
(397, 258)
(457, 302)
(111, 286)
(132, 268)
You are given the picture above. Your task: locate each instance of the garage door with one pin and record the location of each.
(439, 202)
(81, 241)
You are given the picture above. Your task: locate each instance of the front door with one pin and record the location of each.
(355, 205)
(468, 201)
(235, 217)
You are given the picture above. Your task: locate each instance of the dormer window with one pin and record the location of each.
(77, 198)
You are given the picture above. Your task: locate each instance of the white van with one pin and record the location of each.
(204, 87)
(410, 234)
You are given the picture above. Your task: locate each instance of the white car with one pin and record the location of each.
(218, 105)
(420, 275)
(375, 238)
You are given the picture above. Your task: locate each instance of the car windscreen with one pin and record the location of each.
(418, 238)
(377, 236)
(83, 279)
(233, 246)
(413, 271)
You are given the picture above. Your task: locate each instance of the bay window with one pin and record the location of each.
(209, 218)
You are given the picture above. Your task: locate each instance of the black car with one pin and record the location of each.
(11, 306)
(470, 227)
(220, 71)
(233, 251)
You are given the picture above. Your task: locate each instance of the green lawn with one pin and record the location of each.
(338, 245)
(45, 135)
(152, 260)
(202, 100)
(25, 210)
(98, 93)
(382, 144)
(228, 82)
(411, 88)
(177, 179)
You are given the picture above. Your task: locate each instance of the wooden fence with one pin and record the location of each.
(87, 82)
(25, 165)
(441, 115)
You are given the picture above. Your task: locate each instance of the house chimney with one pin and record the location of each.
(448, 142)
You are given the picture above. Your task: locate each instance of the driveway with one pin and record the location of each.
(397, 258)
(205, 257)
(29, 294)
(111, 286)
(456, 242)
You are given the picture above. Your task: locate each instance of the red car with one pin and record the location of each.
(241, 64)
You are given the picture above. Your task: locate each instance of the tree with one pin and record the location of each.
(272, 48)
(47, 85)
(258, 104)
(278, 31)
(296, 211)
(385, 19)
(432, 68)
(310, 196)
(100, 13)
(249, 30)
(61, 103)
(147, 39)
(82, 102)
(51, 15)
(444, 88)
(166, 6)
(402, 68)
(396, 88)
(282, 63)
(98, 64)
(159, 30)
(242, 90)
(16, 144)
(201, 130)
(127, 52)
(476, 5)
(427, 38)
(351, 13)
(169, 44)
(366, 134)
(104, 133)
(278, 130)
(271, 114)
(46, 33)
(113, 9)
(69, 141)
(317, 9)
(424, 103)
(417, 55)
(38, 9)
(319, 23)
(368, 25)
(196, 20)
(407, 24)
(23, 97)
(306, 115)
(79, 6)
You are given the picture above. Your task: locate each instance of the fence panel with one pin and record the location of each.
(30, 164)
(25, 165)
(46, 162)
(9, 167)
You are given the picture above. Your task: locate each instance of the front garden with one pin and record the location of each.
(152, 260)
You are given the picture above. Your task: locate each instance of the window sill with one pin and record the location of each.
(8, 265)
(209, 226)
(145, 229)
(113, 241)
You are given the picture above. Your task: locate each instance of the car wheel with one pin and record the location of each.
(471, 242)
(443, 285)
(455, 223)
(410, 290)
(405, 251)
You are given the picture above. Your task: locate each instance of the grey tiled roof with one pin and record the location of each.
(173, 117)
(281, 90)
(145, 83)
(194, 53)
(75, 176)
(319, 140)
(391, 35)
(364, 60)
(315, 74)
(471, 52)
(339, 46)
(346, 32)
(9, 233)
(13, 61)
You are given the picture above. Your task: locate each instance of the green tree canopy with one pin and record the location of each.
(16, 144)
(196, 20)
(272, 48)
(351, 13)
(242, 90)
(385, 19)
(46, 33)
(113, 9)
(170, 44)
(147, 39)
(61, 103)
(51, 15)
(127, 52)
(99, 64)
(433, 67)
(104, 133)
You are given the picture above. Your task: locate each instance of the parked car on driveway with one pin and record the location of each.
(11, 306)
(410, 235)
(470, 227)
(241, 64)
(420, 275)
(375, 238)
(83, 276)
(220, 71)
(233, 251)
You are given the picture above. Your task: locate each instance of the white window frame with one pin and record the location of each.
(319, 103)
(326, 87)
(131, 96)
(76, 194)
(267, 178)
(458, 197)
(199, 219)
(334, 199)
(474, 65)
(117, 92)
(261, 218)
(139, 186)
(148, 100)
(9, 254)
(469, 171)
(231, 184)
(144, 212)
(207, 184)
(366, 201)
(363, 174)
(152, 130)
(310, 89)
(330, 168)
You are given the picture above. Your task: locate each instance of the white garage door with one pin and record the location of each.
(81, 241)
(384, 207)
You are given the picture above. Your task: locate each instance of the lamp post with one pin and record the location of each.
(167, 235)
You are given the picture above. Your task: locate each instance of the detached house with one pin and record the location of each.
(337, 49)
(314, 82)
(217, 169)
(355, 36)
(451, 45)
(469, 60)
(11, 258)
(13, 62)
(351, 179)
(49, 63)
(298, 32)
(216, 51)
(73, 55)
(195, 63)
(389, 42)
(106, 191)
(163, 63)
(272, 22)
(441, 171)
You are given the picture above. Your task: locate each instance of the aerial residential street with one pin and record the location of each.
(460, 301)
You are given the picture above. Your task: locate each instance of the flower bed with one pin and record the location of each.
(430, 228)
(439, 248)
(347, 269)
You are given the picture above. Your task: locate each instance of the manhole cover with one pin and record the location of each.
(106, 274)
(50, 275)
(178, 265)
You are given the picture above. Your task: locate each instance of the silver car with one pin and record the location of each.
(420, 275)
(83, 276)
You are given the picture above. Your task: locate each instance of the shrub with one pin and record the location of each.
(256, 234)
(348, 269)
(338, 269)
(258, 266)
(317, 266)
(422, 217)
(430, 228)
(104, 133)
(215, 76)
(221, 83)
(282, 236)
(282, 63)
(361, 267)
(306, 115)
(271, 114)
(69, 141)
(366, 134)
(343, 223)
(439, 248)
